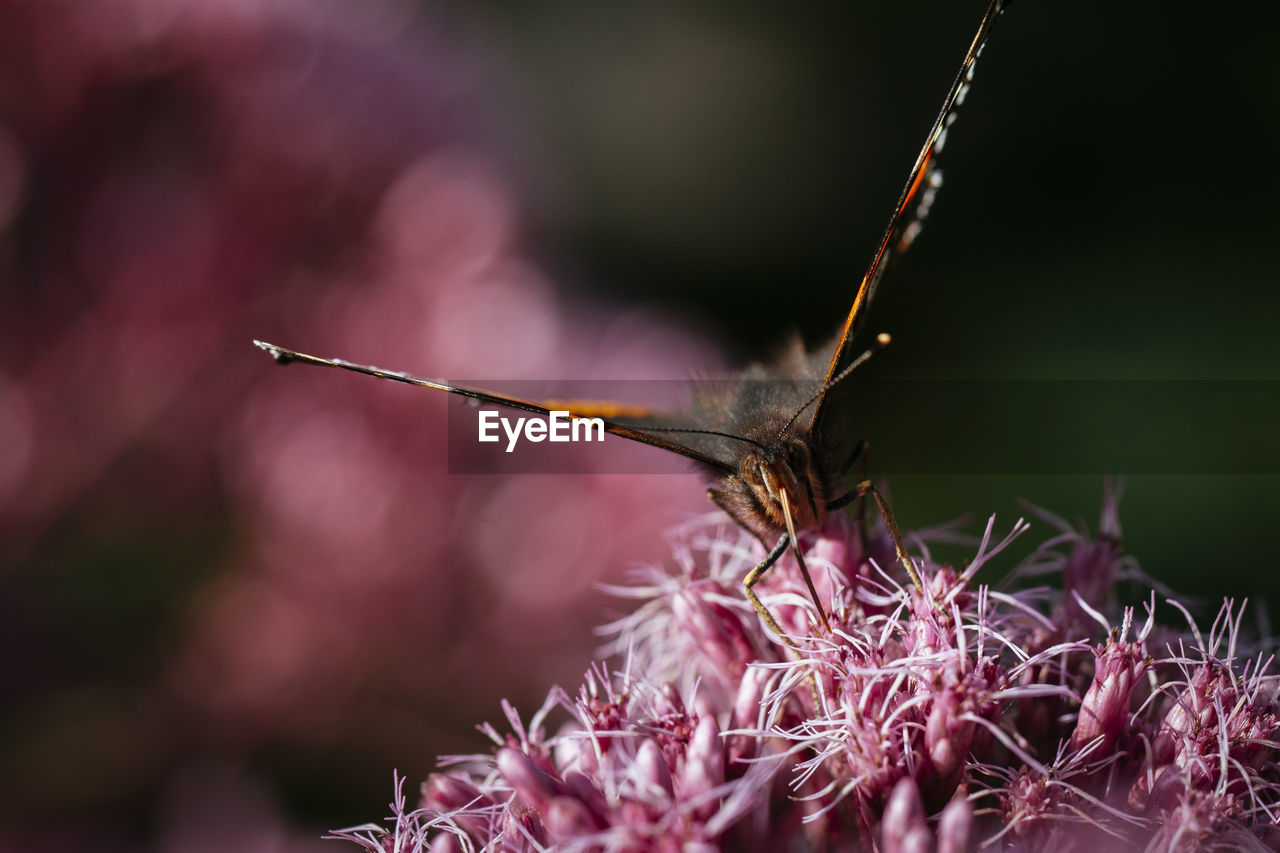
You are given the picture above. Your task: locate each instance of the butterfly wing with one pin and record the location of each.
(643, 425)
(830, 413)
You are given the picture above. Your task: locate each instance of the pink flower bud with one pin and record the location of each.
(704, 763)
(567, 817)
(955, 826)
(654, 770)
(533, 785)
(1104, 713)
(522, 825)
(445, 842)
(947, 736)
(585, 791)
(903, 821)
(717, 631)
(444, 792)
(447, 793)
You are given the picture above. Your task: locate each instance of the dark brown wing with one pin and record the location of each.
(579, 408)
(913, 207)
(729, 418)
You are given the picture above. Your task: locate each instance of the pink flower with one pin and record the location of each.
(1104, 711)
(909, 728)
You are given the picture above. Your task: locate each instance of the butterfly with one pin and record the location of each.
(776, 443)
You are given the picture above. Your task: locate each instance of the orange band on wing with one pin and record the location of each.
(915, 185)
(598, 409)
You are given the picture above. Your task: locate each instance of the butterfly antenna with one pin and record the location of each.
(882, 340)
(728, 435)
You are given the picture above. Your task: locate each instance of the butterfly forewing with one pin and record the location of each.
(829, 427)
(584, 408)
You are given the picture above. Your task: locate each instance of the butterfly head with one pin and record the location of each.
(785, 485)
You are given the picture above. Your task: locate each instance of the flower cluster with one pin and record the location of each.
(957, 717)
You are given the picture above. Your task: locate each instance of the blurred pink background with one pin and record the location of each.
(237, 596)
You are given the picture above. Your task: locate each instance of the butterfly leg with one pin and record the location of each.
(753, 576)
(866, 487)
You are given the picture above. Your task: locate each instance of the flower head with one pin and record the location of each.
(925, 720)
